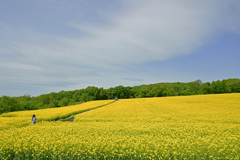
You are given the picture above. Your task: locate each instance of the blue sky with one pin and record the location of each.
(53, 45)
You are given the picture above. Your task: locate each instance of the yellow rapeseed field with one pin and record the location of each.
(186, 127)
(23, 118)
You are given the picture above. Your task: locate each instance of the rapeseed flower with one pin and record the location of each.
(188, 127)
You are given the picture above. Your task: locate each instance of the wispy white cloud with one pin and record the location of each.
(20, 66)
(151, 30)
(106, 53)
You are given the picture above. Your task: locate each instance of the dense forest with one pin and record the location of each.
(64, 98)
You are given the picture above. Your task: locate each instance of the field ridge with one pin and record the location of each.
(70, 118)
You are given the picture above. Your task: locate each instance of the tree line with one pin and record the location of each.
(64, 98)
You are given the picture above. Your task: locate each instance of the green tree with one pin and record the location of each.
(205, 88)
(102, 94)
(63, 102)
(9, 104)
(235, 86)
(157, 91)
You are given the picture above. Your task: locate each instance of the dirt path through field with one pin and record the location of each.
(71, 117)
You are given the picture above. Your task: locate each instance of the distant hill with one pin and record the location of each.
(64, 98)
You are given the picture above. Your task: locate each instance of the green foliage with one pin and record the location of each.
(9, 104)
(64, 98)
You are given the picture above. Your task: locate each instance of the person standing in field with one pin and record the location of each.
(34, 118)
